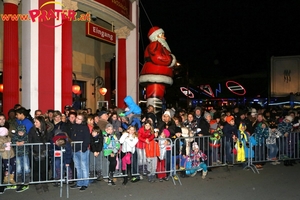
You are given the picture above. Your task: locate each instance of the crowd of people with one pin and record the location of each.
(140, 139)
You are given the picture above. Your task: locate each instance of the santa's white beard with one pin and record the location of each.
(164, 43)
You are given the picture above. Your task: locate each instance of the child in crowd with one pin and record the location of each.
(145, 135)
(242, 143)
(215, 143)
(128, 140)
(163, 143)
(8, 157)
(179, 149)
(22, 159)
(198, 159)
(59, 142)
(96, 145)
(133, 112)
(271, 142)
(261, 133)
(116, 122)
(111, 146)
(152, 152)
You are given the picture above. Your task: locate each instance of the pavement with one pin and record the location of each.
(234, 183)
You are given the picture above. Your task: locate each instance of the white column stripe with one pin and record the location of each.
(57, 61)
(29, 62)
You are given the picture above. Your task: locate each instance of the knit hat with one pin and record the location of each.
(167, 113)
(253, 112)
(206, 114)
(3, 131)
(178, 129)
(288, 117)
(229, 118)
(153, 32)
(195, 146)
(109, 126)
(166, 132)
(21, 128)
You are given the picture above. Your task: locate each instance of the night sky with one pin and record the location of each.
(224, 38)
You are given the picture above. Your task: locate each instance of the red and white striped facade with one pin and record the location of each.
(46, 61)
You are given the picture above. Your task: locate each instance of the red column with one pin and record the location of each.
(66, 63)
(122, 82)
(122, 34)
(10, 59)
(46, 60)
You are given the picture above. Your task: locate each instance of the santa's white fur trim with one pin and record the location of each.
(152, 37)
(173, 61)
(154, 78)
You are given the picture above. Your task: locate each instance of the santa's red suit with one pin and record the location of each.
(157, 71)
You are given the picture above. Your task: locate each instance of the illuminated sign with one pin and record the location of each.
(235, 88)
(232, 86)
(187, 92)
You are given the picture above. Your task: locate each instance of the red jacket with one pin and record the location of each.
(142, 136)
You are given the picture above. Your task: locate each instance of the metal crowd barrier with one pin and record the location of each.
(171, 164)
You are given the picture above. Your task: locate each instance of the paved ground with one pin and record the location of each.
(273, 182)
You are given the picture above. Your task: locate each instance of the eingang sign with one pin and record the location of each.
(100, 33)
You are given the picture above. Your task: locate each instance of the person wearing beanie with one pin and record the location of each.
(8, 157)
(261, 133)
(274, 134)
(111, 146)
(157, 71)
(285, 128)
(230, 134)
(167, 123)
(22, 159)
(197, 159)
(163, 143)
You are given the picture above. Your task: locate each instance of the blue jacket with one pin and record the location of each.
(229, 131)
(26, 122)
(133, 107)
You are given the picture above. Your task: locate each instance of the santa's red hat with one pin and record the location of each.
(153, 32)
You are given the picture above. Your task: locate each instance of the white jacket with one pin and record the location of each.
(128, 142)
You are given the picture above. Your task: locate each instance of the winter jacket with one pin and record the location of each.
(142, 136)
(80, 132)
(67, 155)
(273, 135)
(133, 107)
(110, 144)
(152, 149)
(96, 143)
(229, 131)
(128, 143)
(6, 154)
(21, 150)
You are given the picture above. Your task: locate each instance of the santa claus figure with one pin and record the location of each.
(157, 71)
